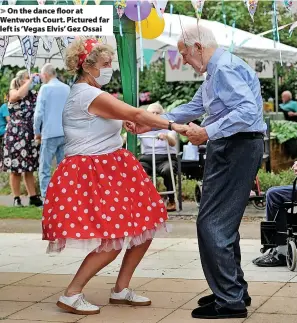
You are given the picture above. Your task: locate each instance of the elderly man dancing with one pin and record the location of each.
(234, 128)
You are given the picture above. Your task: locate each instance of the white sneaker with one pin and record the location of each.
(77, 304)
(128, 297)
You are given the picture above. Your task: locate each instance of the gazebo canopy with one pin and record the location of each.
(246, 45)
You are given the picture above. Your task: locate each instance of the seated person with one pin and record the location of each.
(275, 198)
(289, 107)
(162, 163)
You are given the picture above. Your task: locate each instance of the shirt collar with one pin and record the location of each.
(214, 60)
(53, 80)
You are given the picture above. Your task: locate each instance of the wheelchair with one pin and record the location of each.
(274, 234)
(258, 200)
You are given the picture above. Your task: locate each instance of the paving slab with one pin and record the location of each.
(117, 314)
(31, 282)
(184, 316)
(271, 318)
(8, 308)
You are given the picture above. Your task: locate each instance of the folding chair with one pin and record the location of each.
(154, 165)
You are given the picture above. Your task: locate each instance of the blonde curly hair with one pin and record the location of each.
(77, 47)
(16, 82)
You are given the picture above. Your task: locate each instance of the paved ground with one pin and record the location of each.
(180, 228)
(170, 274)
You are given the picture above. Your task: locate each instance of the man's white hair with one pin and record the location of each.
(192, 34)
(49, 69)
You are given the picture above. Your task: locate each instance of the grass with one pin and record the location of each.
(20, 213)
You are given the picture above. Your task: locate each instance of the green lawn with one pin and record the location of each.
(20, 213)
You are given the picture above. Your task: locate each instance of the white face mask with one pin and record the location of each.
(105, 76)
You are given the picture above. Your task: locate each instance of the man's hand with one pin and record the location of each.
(37, 139)
(197, 135)
(292, 114)
(181, 129)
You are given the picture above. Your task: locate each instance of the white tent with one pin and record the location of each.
(14, 55)
(246, 45)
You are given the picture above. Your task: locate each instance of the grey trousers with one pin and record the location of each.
(275, 198)
(230, 169)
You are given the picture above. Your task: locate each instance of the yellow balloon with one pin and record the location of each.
(151, 27)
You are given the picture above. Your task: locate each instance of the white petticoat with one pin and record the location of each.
(98, 245)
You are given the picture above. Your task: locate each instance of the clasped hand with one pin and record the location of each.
(197, 135)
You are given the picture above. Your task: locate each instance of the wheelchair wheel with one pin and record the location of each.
(197, 194)
(259, 204)
(291, 255)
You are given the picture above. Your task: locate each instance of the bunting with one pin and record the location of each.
(4, 40)
(288, 4)
(63, 42)
(172, 55)
(148, 55)
(198, 6)
(160, 6)
(120, 6)
(47, 42)
(29, 45)
(251, 6)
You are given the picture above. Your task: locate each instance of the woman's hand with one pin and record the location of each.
(135, 128)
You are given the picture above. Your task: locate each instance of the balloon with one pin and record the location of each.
(152, 27)
(131, 10)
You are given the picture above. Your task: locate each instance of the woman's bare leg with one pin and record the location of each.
(15, 184)
(93, 263)
(30, 183)
(131, 260)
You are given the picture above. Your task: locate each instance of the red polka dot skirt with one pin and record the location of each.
(102, 202)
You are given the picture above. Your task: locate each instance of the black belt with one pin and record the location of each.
(247, 135)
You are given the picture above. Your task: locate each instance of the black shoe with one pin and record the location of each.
(17, 202)
(272, 260)
(36, 201)
(264, 256)
(211, 299)
(213, 311)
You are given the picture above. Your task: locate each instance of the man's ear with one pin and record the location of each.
(198, 46)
